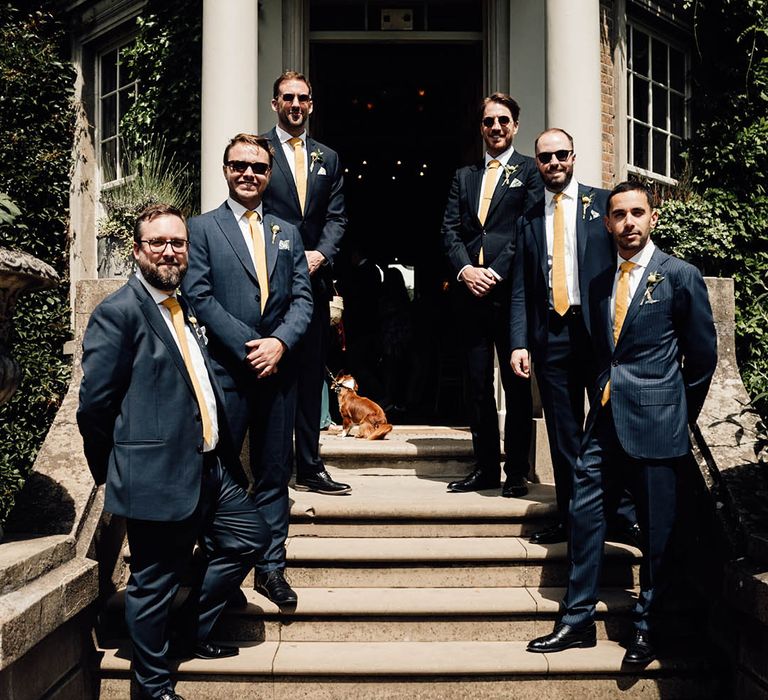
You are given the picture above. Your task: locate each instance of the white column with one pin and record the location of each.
(573, 100)
(230, 87)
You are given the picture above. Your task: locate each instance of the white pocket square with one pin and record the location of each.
(515, 183)
(594, 215)
(283, 245)
(322, 171)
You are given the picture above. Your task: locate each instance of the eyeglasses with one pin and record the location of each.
(290, 97)
(240, 166)
(503, 121)
(158, 245)
(545, 156)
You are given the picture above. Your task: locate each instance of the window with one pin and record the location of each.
(657, 105)
(115, 96)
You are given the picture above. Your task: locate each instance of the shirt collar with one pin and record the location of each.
(570, 192)
(642, 258)
(158, 295)
(502, 157)
(284, 136)
(239, 210)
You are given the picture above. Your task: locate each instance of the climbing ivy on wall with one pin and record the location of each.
(36, 131)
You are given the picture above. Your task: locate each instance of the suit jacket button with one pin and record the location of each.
(615, 363)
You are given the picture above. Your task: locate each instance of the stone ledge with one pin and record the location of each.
(23, 559)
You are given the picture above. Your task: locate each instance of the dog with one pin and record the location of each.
(357, 410)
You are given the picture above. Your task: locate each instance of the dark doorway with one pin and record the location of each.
(403, 118)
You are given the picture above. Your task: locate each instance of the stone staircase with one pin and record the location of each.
(406, 591)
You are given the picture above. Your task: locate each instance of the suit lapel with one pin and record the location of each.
(311, 173)
(284, 169)
(539, 233)
(582, 223)
(232, 233)
(503, 181)
(474, 183)
(657, 260)
(271, 243)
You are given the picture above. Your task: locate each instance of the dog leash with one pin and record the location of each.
(335, 386)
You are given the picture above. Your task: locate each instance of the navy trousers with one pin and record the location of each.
(602, 472)
(232, 534)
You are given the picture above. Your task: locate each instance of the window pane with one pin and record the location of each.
(676, 148)
(123, 74)
(108, 116)
(341, 16)
(108, 159)
(676, 70)
(640, 138)
(660, 107)
(640, 99)
(639, 52)
(109, 72)
(659, 50)
(677, 114)
(659, 153)
(126, 99)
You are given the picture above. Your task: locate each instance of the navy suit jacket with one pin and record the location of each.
(222, 286)
(324, 220)
(529, 311)
(463, 235)
(661, 367)
(138, 414)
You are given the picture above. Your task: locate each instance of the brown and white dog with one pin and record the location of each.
(357, 410)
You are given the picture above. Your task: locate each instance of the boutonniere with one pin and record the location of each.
(275, 228)
(654, 279)
(198, 330)
(315, 157)
(509, 171)
(586, 202)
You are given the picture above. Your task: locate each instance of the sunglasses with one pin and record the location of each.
(546, 156)
(290, 97)
(503, 120)
(240, 166)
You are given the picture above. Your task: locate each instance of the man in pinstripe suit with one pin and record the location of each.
(656, 350)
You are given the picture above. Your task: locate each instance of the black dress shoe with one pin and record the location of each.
(550, 535)
(640, 651)
(515, 487)
(321, 483)
(237, 600)
(273, 585)
(564, 637)
(476, 481)
(209, 650)
(168, 695)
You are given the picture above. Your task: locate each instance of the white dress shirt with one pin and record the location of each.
(242, 221)
(569, 202)
(636, 274)
(289, 152)
(195, 354)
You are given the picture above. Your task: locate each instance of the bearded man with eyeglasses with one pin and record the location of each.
(562, 244)
(249, 284)
(478, 239)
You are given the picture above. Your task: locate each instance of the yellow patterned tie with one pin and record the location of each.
(177, 317)
(560, 300)
(485, 203)
(300, 170)
(622, 304)
(259, 254)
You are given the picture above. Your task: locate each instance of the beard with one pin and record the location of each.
(163, 277)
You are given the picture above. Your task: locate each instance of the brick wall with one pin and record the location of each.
(607, 91)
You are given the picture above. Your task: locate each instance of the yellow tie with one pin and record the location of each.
(622, 304)
(177, 317)
(259, 254)
(560, 300)
(485, 203)
(300, 170)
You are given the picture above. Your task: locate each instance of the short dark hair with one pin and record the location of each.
(631, 186)
(290, 75)
(547, 131)
(252, 140)
(502, 99)
(153, 211)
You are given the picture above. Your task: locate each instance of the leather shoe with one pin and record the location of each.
(564, 637)
(209, 650)
(550, 535)
(273, 585)
(476, 481)
(321, 483)
(640, 651)
(168, 695)
(237, 600)
(515, 487)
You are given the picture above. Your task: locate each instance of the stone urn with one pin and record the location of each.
(19, 272)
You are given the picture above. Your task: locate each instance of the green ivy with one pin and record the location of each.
(36, 132)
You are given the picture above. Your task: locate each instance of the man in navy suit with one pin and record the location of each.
(478, 239)
(560, 241)
(154, 430)
(307, 191)
(656, 350)
(249, 284)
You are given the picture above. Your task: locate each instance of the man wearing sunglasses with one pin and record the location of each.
(306, 190)
(249, 284)
(562, 245)
(478, 239)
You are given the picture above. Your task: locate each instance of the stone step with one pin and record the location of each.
(444, 669)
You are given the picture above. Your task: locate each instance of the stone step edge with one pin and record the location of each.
(413, 659)
(24, 557)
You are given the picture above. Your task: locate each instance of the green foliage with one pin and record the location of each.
(36, 130)
(166, 59)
